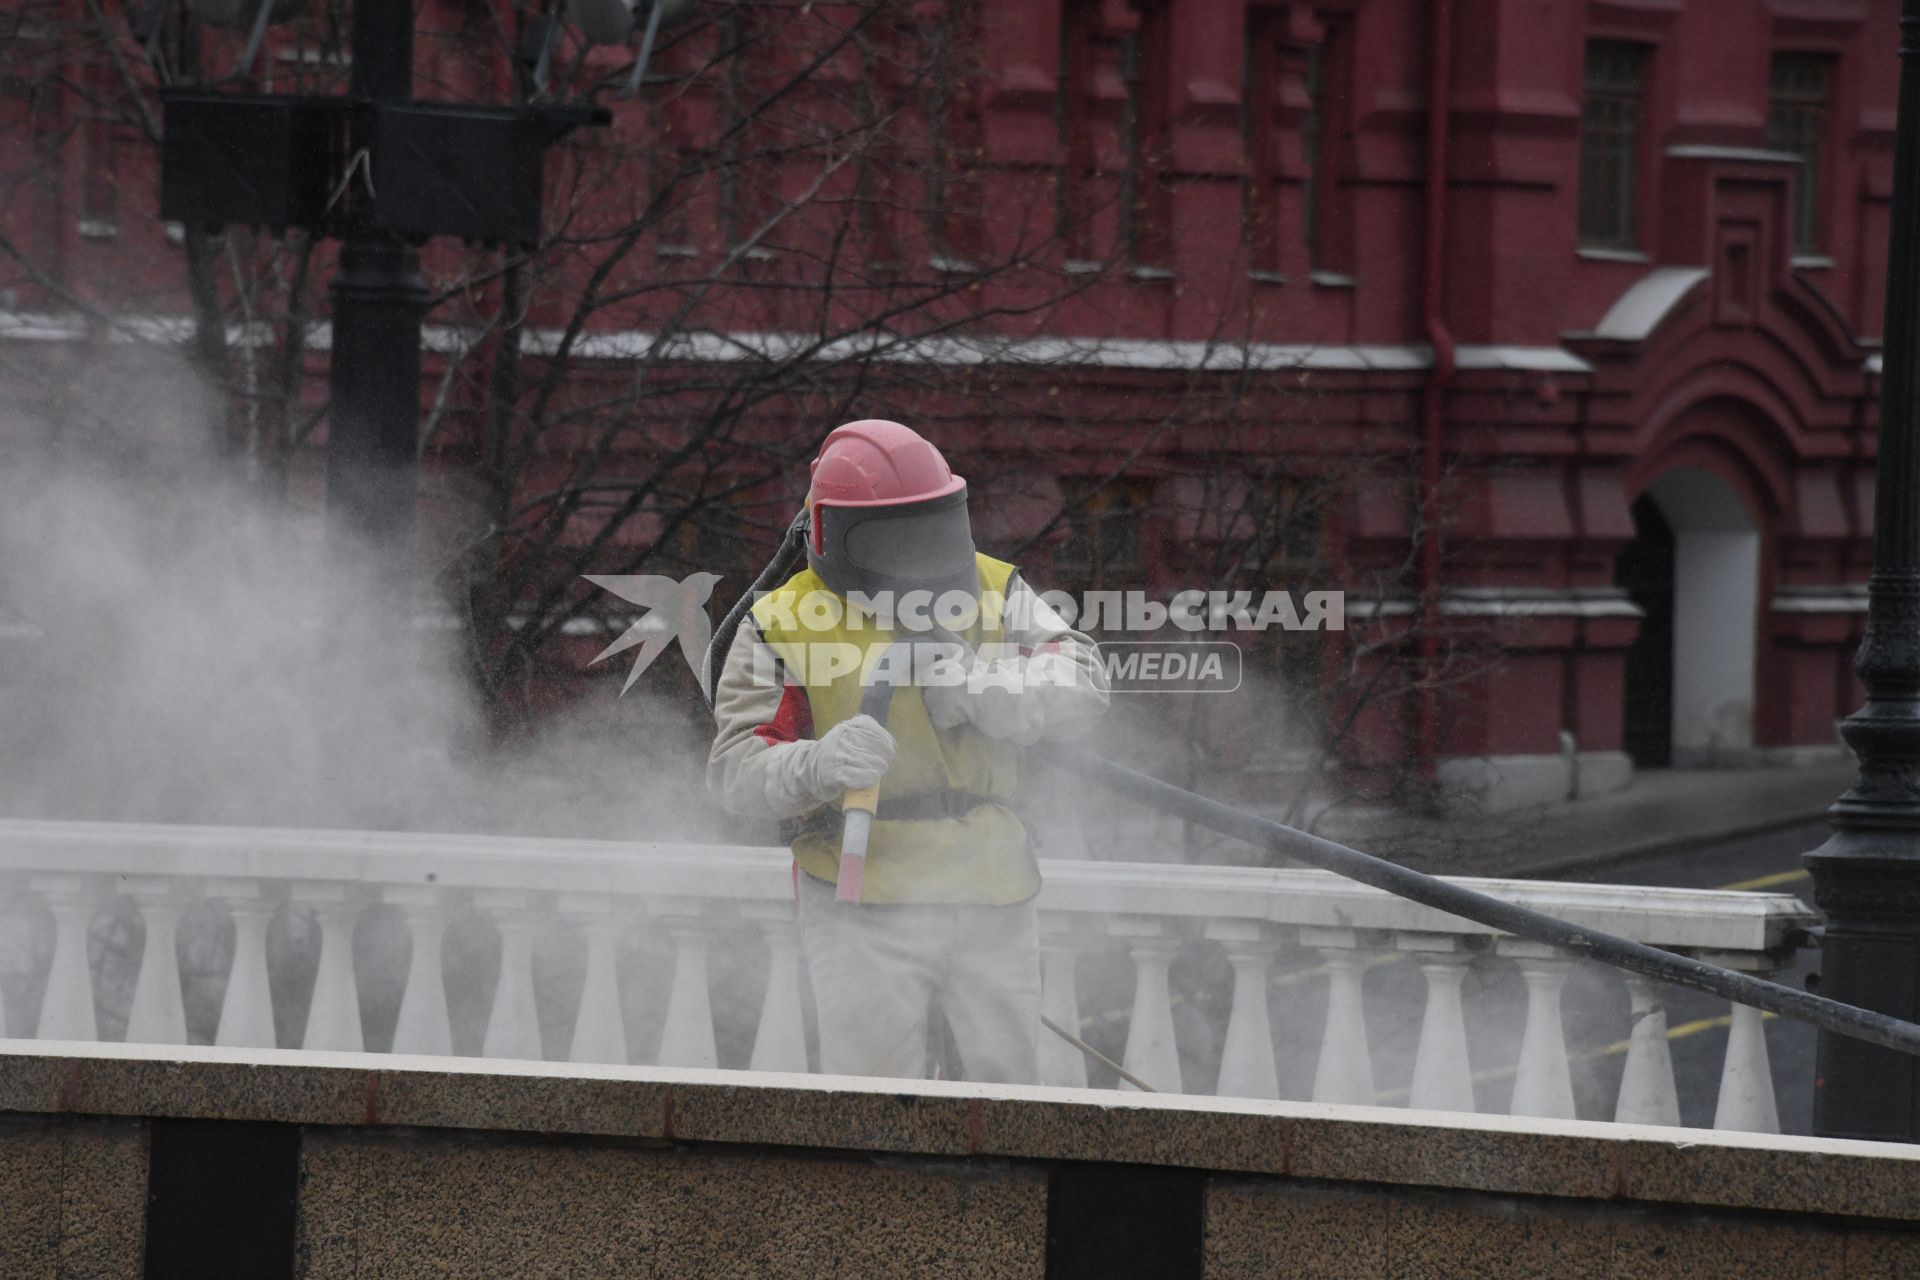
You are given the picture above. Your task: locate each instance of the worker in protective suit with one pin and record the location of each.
(946, 901)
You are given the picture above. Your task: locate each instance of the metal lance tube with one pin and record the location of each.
(858, 808)
(1867, 877)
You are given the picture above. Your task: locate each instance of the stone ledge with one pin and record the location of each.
(1380, 1146)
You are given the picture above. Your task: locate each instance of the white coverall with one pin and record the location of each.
(876, 967)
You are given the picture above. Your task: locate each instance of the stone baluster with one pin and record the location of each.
(1543, 1085)
(333, 1016)
(600, 1028)
(11, 897)
(1060, 1063)
(780, 1039)
(1442, 1068)
(1746, 1077)
(1345, 1069)
(686, 1040)
(513, 1024)
(1152, 1052)
(158, 1014)
(423, 1025)
(1247, 1067)
(1647, 1091)
(66, 1011)
(246, 1011)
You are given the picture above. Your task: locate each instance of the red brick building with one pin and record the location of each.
(1613, 311)
(1659, 247)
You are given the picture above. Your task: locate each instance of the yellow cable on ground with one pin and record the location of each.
(1768, 882)
(1680, 1032)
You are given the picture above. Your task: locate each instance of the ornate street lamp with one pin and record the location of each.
(382, 173)
(1867, 877)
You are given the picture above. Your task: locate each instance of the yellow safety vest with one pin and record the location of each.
(981, 856)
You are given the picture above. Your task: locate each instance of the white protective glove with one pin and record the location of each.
(854, 753)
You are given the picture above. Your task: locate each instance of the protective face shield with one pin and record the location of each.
(918, 547)
(888, 514)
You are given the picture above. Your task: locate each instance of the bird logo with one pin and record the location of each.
(677, 610)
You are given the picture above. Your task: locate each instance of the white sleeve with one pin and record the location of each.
(1064, 664)
(760, 764)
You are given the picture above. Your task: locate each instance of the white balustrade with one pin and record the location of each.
(1746, 1082)
(12, 935)
(1746, 1079)
(1060, 1063)
(513, 1025)
(687, 1039)
(1442, 1071)
(158, 1014)
(1345, 1070)
(333, 1016)
(1152, 1053)
(1543, 1084)
(246, 1011)
(780, 1038)
(1247, 1068)
(1306, 930)
(66, 1011)
(600, 1028)
(423, 1026)
(1648, 1094)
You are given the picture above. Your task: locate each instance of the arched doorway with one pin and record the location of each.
(1694, 570)
(1645, 572)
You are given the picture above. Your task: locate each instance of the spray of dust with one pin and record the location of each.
(174, 648)
(177, 648)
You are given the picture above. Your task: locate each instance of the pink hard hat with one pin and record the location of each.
(876, 463)
(888, 512)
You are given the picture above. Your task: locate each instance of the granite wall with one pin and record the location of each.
(72, 1196)
(120, 1161)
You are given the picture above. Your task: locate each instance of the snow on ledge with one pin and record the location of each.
(765, 347)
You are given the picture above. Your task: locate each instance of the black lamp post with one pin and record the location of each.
(378, 301)
(381, 173)
(1867, 876)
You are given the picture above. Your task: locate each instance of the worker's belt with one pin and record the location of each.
(929, 804)
(923, 807)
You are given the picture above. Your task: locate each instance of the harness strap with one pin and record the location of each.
(926, 806)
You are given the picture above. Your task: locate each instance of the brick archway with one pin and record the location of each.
(1719, 478)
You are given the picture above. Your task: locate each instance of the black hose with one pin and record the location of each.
(1576, 940)
(1402, 882)
(716, 655)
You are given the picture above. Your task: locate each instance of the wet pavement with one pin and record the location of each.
(1663, 813)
